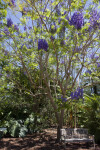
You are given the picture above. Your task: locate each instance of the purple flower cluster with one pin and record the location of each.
(63, 99)
(42, 44)
(30, 28)
(76, 50)
(95, 16)
(9, 22)
(52, 38)
(58, 11)
(25, 10)
(0, 74)
(25, 28)
(98, 65)
(92, 56)
(16, 28)
(77, 20)
(12, 3)
(6, 31)
(1, 35)
(88, 71)
(77, 94)
(5, 53)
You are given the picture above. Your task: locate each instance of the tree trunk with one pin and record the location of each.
(60, 125)
(58, 133)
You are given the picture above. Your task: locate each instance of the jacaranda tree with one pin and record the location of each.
(61, 38)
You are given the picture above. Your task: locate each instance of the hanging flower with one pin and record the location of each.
(77, 20)
(42, 44)
(94, 19)
(25, 28)
(52, 38)
(0, 74)
(98, 65)
(1, 35)
(16, 28)
(58, 11)
(9, 22)
(77, 94)
(93, 57)
(6, 31)
(24, 11)
(63, 99)
(88, 72)
(12, 3)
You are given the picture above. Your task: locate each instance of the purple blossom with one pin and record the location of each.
(8, 75)
(62, 42)
(63, 99)
(77, 20)
(77, 49)
(25, 28)
(92, 55)
(59, 20)
(88, 71)
(20, 57)
(1, 23)
(24, 11)
(9, 22)
(96, 58)
(65, 12)
(42, 44)
(1, 35)
(21, 36)
(67, 18)
(58, 11)
(12, 3)
(52, 38)
(98, 65)
(25, 73)
(95, 16)
(0, 74)
(5, 53)
(6, 31)
(16, 28)
(62, 3)
(62, 62)
(30, 28)
(77, 94)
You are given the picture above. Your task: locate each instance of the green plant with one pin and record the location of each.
(15, 128)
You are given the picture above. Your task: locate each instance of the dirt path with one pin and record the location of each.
(40, 141)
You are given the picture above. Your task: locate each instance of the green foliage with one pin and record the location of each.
(15, 128)
(89, 115)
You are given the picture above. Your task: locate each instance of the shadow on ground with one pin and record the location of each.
(40, 141)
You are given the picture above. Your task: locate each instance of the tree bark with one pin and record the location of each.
(60, 125)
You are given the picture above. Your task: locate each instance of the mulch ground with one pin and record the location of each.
(41, 141)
